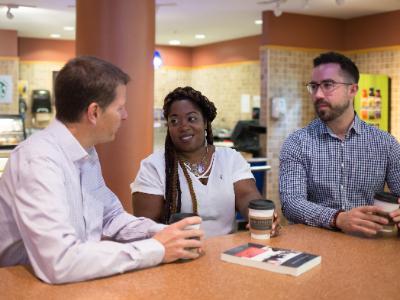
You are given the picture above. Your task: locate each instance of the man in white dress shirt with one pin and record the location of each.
(56, 213)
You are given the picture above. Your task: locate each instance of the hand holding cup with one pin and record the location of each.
(182, 240)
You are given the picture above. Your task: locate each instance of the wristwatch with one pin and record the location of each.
(334, 218)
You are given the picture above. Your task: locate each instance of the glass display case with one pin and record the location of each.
(3, 160)
(12, 131)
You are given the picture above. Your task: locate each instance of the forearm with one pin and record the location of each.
(126, 228)
(245, 191)
(71, 260)
(299, 210)
(243, 204)
(148, 206)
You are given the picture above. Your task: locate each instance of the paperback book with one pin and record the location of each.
(272, 259)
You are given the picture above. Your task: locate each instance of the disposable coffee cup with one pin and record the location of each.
(176, 217)
(388, 203)
(261, 214)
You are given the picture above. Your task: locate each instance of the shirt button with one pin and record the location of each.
(342, 144)
(342, 165)
(343, 208)
(341, 186)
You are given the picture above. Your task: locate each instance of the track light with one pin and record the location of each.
(277, 10)
(10, 6)
(9, 14)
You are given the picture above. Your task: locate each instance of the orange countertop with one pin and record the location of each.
(351, 268)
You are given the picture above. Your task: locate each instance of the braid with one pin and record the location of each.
(172, 185)
(191, 189)
(210, 136)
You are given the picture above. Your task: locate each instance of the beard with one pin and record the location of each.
(330, 112)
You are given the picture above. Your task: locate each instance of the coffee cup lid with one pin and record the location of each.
(261, 204)
(180, 216)
(386, 197)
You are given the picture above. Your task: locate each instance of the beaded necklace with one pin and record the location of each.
(197, 168)
(203, 174)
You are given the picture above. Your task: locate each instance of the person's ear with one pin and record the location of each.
(354, 89)
(93, 112)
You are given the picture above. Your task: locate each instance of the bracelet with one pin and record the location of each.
(334, 218)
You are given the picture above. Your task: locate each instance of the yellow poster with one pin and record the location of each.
(372, 100)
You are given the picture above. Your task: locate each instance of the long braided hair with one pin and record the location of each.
(172, 202)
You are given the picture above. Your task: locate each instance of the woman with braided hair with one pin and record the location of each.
(191, 174)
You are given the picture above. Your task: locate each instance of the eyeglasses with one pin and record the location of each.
(327, 86)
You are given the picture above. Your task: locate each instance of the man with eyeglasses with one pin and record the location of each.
(331, 169)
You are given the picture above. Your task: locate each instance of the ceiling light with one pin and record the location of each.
(55, 35)
(200, 36)
(69, 28)
(174, 42)
(258, 22)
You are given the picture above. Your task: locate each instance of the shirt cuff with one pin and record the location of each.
(327, 218)
(151, 250)
(156, 228)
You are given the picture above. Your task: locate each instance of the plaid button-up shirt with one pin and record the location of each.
(321, 174)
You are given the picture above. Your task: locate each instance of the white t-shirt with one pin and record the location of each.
(215, 201)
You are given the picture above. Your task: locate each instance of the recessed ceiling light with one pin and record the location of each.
(200, 36)
(174, 42)
(258, 22)
(69, 28)
(55, 35)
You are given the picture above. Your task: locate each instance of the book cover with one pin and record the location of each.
(285, 261)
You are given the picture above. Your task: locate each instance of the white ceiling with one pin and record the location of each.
(181, 19)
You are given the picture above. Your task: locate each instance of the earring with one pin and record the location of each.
(205, 139)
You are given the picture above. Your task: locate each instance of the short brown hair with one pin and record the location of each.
(346, 64)
(82, 81)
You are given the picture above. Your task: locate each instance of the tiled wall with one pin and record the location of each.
(167, 79)
(39, 75)
(225, 85)
(9, 66)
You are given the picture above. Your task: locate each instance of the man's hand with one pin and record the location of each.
(395, 215)
(177, 241)
(361, 219)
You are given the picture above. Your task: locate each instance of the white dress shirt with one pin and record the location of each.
(216, 199)
(57, 214)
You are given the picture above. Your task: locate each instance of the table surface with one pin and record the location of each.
(351, 268)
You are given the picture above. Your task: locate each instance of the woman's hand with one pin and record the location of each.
(276, 226)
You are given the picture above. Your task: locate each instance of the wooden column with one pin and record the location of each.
(123, 33)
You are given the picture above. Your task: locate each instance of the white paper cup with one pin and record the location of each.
(180, 216)
(388, 203)
(261, 214)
